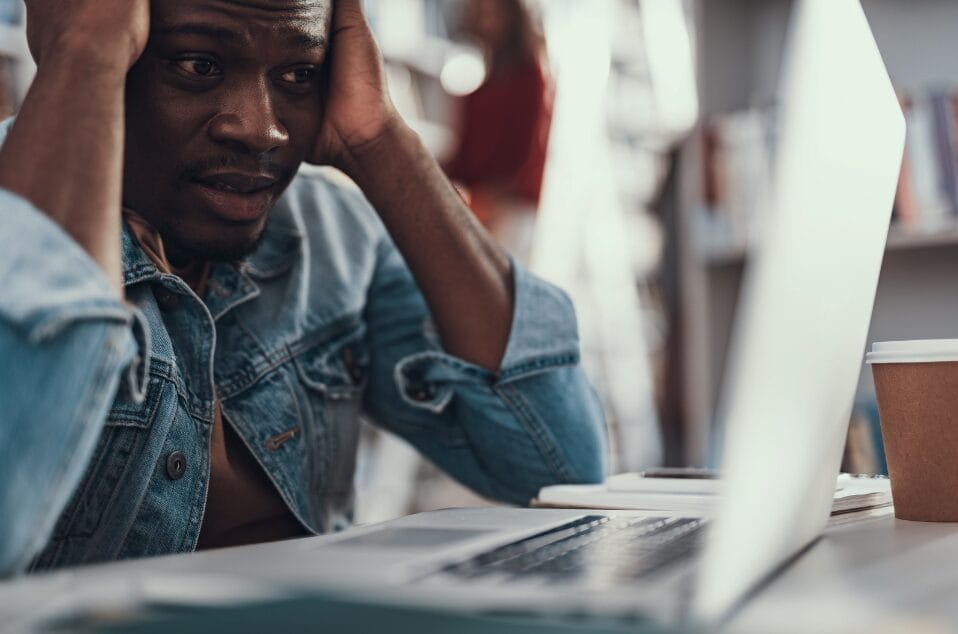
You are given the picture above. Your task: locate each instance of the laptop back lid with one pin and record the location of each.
(807, 299)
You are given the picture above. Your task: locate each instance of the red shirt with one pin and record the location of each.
(503, 132)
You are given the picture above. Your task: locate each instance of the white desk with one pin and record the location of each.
(881, 575)
(878, 575)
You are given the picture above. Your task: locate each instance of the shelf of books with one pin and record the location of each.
(726, 167)
(736, 161)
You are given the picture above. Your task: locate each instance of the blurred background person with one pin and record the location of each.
(502, 128)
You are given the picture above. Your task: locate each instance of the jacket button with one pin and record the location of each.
(175, 465)
(422, 394)
(355, 370)
(166, 299)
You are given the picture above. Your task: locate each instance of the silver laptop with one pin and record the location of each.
(796, 356)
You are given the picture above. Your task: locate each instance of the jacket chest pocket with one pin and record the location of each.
(114, 459)
(334, 375)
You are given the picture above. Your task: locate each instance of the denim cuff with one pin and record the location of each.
(544, 329)
(425, 380)
(544, 335)
(48, 280)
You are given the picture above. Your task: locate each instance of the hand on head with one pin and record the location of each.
(357, 109)
(108, 31)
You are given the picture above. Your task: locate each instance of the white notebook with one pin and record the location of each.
(632, 491)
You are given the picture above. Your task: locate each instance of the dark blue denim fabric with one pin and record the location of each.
(322, 324)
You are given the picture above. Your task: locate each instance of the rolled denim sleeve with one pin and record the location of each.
(65, 342)
(537, 422)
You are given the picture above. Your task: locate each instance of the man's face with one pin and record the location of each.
(222, 108)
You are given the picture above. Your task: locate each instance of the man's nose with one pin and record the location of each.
(248, 118)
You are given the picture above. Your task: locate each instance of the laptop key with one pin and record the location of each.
(600, 549)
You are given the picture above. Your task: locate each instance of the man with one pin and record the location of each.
(189, 373)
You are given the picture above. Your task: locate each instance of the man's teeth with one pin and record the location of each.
(223, 187)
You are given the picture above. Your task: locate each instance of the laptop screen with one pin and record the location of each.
(807, 299)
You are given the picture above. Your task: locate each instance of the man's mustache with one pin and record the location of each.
(263, 165)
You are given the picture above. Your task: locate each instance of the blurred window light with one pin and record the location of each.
(463, 72)
(671, 64)
(400, 25)
(583, 241)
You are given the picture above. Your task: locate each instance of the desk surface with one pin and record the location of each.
(877, 575)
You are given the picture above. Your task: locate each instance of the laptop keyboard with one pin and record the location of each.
(601, 549)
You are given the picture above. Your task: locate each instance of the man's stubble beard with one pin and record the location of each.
(180, 246)
(181, 249)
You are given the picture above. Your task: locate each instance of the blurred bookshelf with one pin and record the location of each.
(16, 66)
(899, 239)
(739, 51)
(417, 47)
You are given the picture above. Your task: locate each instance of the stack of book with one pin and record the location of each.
(634, 491)
(928, 188)
(738, 150)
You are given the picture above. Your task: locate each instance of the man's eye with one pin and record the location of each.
(198, 66)
(299, 75)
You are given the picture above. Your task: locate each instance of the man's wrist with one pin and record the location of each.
(371, 158)
(84, 59)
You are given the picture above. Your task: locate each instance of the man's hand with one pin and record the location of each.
(65, 151)
(464, 277)
(358, 111)
(108, 31)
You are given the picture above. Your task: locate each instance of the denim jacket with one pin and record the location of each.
(322, 323)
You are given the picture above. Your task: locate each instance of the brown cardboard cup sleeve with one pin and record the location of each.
(916, 384)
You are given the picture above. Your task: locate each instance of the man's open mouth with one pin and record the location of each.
(237, 182)
(237, 196)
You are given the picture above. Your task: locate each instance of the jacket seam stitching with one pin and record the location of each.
(537, 431)
(94, 390)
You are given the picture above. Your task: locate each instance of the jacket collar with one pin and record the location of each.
(231, 283)
(137, 266)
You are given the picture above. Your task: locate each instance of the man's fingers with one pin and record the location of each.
(347, 13)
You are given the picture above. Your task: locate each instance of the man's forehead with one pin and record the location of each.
(310, 16)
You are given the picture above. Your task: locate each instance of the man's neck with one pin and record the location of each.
(193, 271)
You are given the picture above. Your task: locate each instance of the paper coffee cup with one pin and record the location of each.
(916, 383)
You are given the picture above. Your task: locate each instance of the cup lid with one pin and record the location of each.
(914, 351)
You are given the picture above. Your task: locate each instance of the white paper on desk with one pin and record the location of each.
(851, 493)
(597, 496)
(637, 483)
